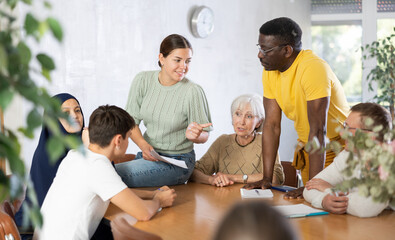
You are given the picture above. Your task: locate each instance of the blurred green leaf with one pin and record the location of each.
(45, 72)
(55, 28)
(45, 61)
(12, 3)
(34, 119)
(42, 28)
(6, 96)
(24, 52)
(47, 5)
(36, 217)
(72, 141)
(31, 24)
(55, 148)
(4, 186)
(28, 2)
(27, 132)
(3, 60)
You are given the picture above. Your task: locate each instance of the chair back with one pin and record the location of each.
(8, 229)
(292, 176)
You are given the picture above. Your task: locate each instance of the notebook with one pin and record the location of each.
(256, 193)
(299, 210)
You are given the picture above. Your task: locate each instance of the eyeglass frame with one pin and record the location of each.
(264, 52)
(345, 126)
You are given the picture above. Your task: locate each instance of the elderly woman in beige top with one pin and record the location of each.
(237, 158)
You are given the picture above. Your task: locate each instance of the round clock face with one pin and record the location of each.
(202, 22)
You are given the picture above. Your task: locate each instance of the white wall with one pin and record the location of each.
(108, 42)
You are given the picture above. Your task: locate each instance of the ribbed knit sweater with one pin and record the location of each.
(167, 111)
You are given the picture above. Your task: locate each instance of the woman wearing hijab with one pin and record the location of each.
(43, 171)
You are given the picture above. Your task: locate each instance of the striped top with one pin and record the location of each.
(167, 111)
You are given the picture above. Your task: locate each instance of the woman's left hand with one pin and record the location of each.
(194, 130)
(221, 180)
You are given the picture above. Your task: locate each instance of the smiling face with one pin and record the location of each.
(175, 66)
(244, 121)
(73, 110)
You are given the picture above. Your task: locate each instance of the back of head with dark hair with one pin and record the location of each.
(379, 115)
(172, 42)
(254, 220)
(108, 121)
(284, 29)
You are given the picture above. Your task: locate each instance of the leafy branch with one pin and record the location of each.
(16, 79)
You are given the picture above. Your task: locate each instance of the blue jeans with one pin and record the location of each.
(144, 173)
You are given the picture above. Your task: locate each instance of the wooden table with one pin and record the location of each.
(199, 208)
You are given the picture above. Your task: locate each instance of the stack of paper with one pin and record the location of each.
(256, 193)
(299, 210)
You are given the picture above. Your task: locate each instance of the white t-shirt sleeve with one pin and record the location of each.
(106, 182)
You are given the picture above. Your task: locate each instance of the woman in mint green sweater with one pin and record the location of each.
(175, 113)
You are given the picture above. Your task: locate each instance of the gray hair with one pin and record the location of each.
(256, 103)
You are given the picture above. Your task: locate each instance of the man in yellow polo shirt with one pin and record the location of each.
(303, 86)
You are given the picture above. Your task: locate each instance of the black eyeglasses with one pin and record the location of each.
(264, 52)
(345, 126)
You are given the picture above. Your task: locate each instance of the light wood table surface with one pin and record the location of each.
(199, 208)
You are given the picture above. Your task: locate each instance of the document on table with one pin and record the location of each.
(299, 210)
(173, 161)
(256, 193)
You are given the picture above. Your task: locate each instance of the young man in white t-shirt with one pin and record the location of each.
(85, 184)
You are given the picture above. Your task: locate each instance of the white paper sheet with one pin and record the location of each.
(299, 210)
(256, 193)
(173, 161)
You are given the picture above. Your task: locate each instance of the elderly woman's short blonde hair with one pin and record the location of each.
(256, 103)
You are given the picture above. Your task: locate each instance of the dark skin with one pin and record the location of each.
(281, 58)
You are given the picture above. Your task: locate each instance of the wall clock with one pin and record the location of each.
(202, 22)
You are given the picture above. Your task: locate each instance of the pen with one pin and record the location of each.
(308, 215)
(257, 192)
(317, 214)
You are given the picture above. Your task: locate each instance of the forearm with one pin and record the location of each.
(130, 203)
(125, 158)
(200, 177)
(144, 194)
(270, 141)
(317, 111)
(317, 159)
(238, 178)
(315, 197)
(203, 137)
(137, 137)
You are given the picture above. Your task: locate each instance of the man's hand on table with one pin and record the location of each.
(264, 184)
(297, 193)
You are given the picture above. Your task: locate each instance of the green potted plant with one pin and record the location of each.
(383, 74)
(17, 73)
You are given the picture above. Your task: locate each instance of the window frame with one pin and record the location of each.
(369, 34)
